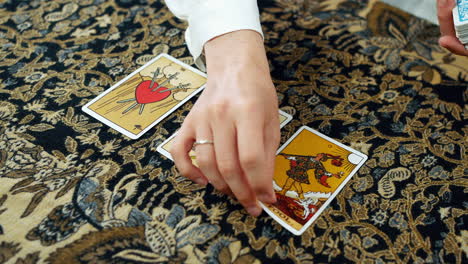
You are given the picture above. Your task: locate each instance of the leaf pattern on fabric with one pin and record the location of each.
(161, 238)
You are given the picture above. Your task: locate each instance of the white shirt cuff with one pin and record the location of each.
(215, 18)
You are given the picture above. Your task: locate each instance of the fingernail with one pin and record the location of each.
(254, 210)
(201, 181)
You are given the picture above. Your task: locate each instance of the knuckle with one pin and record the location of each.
(249, 160)
(219, 109)
(444, 45)
(227, 169)
(248, 106)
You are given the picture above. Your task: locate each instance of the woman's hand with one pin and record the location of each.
(448, 37)
(238, 112)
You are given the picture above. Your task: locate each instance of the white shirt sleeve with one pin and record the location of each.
(208, 19)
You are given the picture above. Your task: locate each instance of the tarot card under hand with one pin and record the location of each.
(310, 170)
(148, 95)
(165, 147)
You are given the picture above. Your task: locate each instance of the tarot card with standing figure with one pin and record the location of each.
(165, 147)
(148, 95)
(310, 170)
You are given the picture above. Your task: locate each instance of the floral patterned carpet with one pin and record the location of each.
(367, 74)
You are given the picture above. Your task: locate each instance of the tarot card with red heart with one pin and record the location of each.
(145, 97)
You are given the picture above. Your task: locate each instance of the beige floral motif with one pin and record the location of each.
(235, 254)
(172, 237)
(463, 240)
(6, 110)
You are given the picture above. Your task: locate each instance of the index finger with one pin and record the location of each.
(252, 157)
(445, 16)
(180, 149)
(226, 152)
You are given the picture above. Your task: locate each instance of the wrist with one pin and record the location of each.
(241, 49)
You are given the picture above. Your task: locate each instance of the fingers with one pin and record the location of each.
(228, 162)
(251, 145)
(272, 141)
(444, 14)
(453, 45)
(180, 149)
(206, 160)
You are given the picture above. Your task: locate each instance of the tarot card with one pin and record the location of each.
(460, 14)
(310, 170)
(284, 118)
(148, 95)
(165, 147)
(460, 20)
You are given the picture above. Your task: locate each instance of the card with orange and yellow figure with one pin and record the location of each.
(310, 170)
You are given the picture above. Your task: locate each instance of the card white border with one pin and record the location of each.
(164, 152)
(332, 197)
(168, 155)
(113, 125)
(288, 118)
